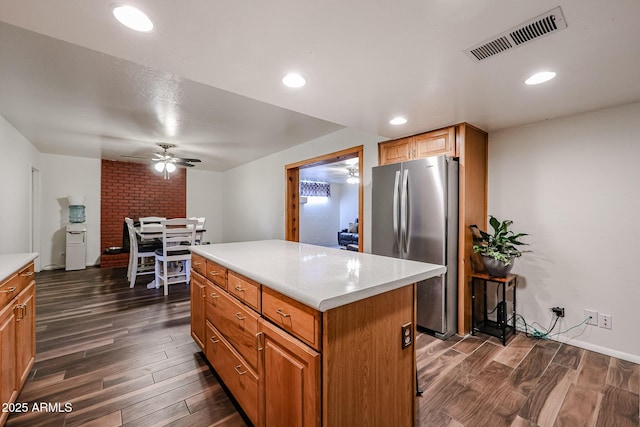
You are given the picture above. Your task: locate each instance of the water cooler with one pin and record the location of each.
(76, 251)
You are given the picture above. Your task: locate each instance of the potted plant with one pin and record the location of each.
(498, 250)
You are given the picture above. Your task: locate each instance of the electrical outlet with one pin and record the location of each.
(605, 321)
(594, 317)
(558, 311)
(407, 335)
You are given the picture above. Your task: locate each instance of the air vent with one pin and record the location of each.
(547, 23)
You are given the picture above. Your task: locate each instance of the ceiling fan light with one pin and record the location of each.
(133, 18)
(170, 167)
(159, 166)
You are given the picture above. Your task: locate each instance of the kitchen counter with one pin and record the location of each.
(322, 278)
(10, 263)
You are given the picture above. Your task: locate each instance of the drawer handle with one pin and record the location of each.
(259, 344)
(214, 295)
(197, 263)
(27, 274)
(213, 273)
(239, 316)
(239, 371)
(239, 288)
(283, 314)
(215, 340)
(10, 290)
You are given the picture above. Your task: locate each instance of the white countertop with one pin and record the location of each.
(322, 278)
(11, 263)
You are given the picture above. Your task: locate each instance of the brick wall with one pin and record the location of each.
(136, 190)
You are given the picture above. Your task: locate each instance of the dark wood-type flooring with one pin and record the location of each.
(124, 356)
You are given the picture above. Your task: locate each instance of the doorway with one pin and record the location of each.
(293, 199)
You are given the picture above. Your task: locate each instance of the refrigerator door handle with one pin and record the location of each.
(396, 207)
(404, 211)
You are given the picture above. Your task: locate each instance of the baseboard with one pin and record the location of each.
(593, 347)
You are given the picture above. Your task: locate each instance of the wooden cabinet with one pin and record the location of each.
(239, 378)
(198, 304)
(290, 372)
(246, 290)
(288, 364)
(237, 322)
(17, 333)
(299, 320)
(25, 310)
(217, 274)
(469, 144)
(434, 143)
(8, 377)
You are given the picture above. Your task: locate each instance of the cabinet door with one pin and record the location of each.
(290, 379)
(394, 151)
(198, 301)
(25, 312)
(9, 390)
(435, 143)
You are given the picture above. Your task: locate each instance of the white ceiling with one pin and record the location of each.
(76, 82)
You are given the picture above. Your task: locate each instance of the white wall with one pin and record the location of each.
(573, 184)
(255, 192)
(18, 157)
(348, 204)
(320, 218)
(205, 199)
(63, 176)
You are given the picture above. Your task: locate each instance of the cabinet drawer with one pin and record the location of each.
(239, 378)
(237, 322)
(199, 264)
(217, 274)
(292, 316)
(246, 290)
(10, 288)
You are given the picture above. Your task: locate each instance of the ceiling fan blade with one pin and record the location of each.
(189, 165)
(182, 159)
(133, 157)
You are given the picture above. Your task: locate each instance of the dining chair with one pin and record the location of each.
(153, 221)
(146, 220)
(200, 228)
(173, 260)
(141, 255)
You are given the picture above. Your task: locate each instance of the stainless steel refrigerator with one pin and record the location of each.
(415, 216)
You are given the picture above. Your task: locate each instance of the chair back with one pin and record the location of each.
(176, 235)
(146, 220)
(133, 240)
(201, 222)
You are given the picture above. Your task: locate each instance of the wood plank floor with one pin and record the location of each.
(124, 356)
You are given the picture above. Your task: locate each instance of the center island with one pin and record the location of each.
(305, 335)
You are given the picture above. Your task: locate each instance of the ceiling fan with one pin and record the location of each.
(166, 162)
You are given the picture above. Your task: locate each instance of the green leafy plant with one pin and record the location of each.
(501, 245)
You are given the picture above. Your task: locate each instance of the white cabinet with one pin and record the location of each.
(76, 251)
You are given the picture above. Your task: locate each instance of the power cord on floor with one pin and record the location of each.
(545, 334)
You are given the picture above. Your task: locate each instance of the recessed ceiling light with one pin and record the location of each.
(541, 77)
(398, 121)
(133, 18)
(293, 80)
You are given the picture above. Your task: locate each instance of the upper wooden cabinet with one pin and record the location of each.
(434, 143)
(469, 144)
